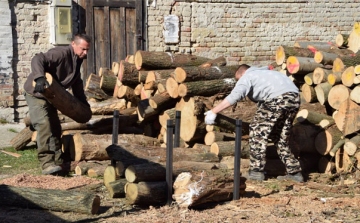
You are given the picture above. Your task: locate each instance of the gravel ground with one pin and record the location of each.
(8, 131)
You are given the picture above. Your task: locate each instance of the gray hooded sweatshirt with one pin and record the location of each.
(261, 84)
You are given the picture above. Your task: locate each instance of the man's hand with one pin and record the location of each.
(210, 117)
(40, 84)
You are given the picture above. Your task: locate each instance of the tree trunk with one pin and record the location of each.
(146, 193)
(105, 71)
(68, 105)
(283, 52)
(200, 187)
(195, 73)
(301, 65)
(337, 95)
(49, 199)
(162, 101)
(322, 92)
(21, 139)
(206, 88)
(164, 60)
(93, 90)
(314, 46)
(347, 117)
(326, 140)
(341, 40)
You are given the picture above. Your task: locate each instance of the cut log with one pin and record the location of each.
(172, 87)
(355, 94)
(199, 146)
(156, 75)
(325, 123)
(143, 75)
(68, 105)
(354, 38)
(314, 46)
(105, 71)
(165, 60)
(325, 58)
(301, 65)
(347, 117)
(347, 77)
(341, 40)
(311, 116)
(308, 78)
(206, 88)
(338, 65)
(22, 138)
(212, 137)
(320, 75)
(334, 78)
(195, 73)
(322, 92)
(302, 138)
(109, 175)
(162, 101)
(352, 145)
(108, 106)
(220, 61)
(357, 69)
(326, 166)
(309, 94)
(337, 95)
(227, 148)
(145, 172)
(146, 193)
(326, 140)
(49, 199)
(157, 154)
(108, 82)
(283, 52)
(128, 93)
(115, 66)
(128, 74)
(336, 147)
(116, 189)
(166, 115)
(83, 167)
(200, 187)
(343, 162)
(93, 90)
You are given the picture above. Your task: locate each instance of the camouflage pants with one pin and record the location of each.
(273, 120)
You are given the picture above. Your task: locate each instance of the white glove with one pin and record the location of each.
(210, 117)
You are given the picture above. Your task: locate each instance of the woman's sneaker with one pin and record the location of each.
(298, 177)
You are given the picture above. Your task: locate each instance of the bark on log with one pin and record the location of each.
(311, 116)
(283, 52)
(116, 189)
(320, 75)
(309, 94)
(68, 105)
(166, 115)
(108, 82)
(96, 171)
(337, 95)
(199, 146)
(146, 193)
(206, 88)
(301, 65)
(325, 58)
(108, 106)
(343, 163)
(200, 187)
(347, 117)
(355, 94)
(172, 87)
(212, 137)
(326, 140)
(128, 74)
(124, 152)
(195, 73)
(227, 148)
(83, 167)
(336, 147)
(156, 75)
(322, 92)
(105, 71)
(93, 90)
(162, 101)
(49, 199)
(341, 40)
(21, 139)
(220, 61)
(164, 60)
(314, 46)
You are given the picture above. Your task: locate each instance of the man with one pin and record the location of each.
(278, 102)
(63, 63)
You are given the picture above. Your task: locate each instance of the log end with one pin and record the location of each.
(280, 55)
(292, 64)
(182, 90)
(138, 60)
(318, 56)
(95, 205)
(179, 74)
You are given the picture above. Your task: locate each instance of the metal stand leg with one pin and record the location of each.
(238, 127)
(169, 160)
(115, 132)
(177, 129)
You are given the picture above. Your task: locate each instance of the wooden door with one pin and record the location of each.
(116, 30)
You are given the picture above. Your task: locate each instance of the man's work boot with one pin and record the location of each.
(255, 175)
(52, 169)
(298, 177)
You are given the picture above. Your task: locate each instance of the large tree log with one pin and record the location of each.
(206, 88)
(301, 65)
(68, 105)
(314, 46)
(200, 187)
(108, 106)
(93, 90)
(126, 152)
(162, 101)
(326, 140)
(49, 199)
(338, 65)
(195, 73)
(172, 87)
(21, 139)
(347, 117)
(146, 193)
(337, 95)
(164, 60)
(325, 58)
(283, 52)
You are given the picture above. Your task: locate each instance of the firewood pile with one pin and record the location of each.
(328, 74)
(149, 87)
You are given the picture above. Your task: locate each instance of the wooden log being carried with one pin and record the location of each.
(200, 187)
(68, 105)
(196, 73)
(49, 199)
(206, 88)
(164, 60)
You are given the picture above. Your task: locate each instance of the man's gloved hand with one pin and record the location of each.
(210, 117)
(40, 84)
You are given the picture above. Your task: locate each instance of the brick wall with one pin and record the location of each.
(244, 31)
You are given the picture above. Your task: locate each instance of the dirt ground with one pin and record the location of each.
(321, 199)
